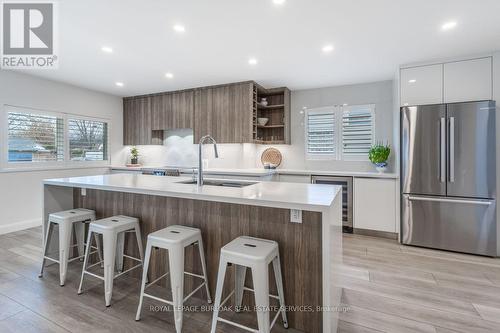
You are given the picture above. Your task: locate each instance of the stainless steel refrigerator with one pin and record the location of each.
(448, 177)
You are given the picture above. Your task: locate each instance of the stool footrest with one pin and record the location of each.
(94, 275)
(132, 258)
(93, 265)
(128, 270)
(238, 325)
(194, 291)
(158, 299)
(270, 295)
(155, 280)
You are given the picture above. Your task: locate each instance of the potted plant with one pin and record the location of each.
(378, 155)
(134, 155)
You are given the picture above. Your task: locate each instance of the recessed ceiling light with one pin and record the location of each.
(179, 28)
(449, 25)
(412, 81)
(327, 48)
(279, 2)
(169, 75)
(252, 61)
(119, 84)
(106, 49)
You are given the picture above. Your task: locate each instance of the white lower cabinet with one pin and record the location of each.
(295, 178)
(375, 204)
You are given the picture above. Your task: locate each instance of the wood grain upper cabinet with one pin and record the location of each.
(173, 110)
(137, 121)
(224, 112)
(468, 80)
(422, 85)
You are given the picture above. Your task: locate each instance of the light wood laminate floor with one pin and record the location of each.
(387, 287)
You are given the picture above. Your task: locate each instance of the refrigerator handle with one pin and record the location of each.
(452, 149)
(457, 201)
(442, 159)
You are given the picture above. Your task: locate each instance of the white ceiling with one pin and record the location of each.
(371, 38)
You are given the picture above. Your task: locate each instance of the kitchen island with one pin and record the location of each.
(310, 249)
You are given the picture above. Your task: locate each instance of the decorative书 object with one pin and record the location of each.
(263, 101)
(378, 155)
(134, 155)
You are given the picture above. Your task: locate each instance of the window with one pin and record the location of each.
(42, 138)
(34, 137)
(340, 132)
(357, 131)
(87, 140)
(321, 134)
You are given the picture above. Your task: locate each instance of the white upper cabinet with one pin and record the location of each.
(469, 80)
(422, 85)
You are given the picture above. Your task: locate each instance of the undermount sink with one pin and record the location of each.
(223, 183)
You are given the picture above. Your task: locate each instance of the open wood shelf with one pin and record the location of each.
(269, 142)
(270, 107)
(270, 126)
(277, 131)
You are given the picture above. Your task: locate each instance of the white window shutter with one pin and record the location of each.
(321, 134)
(357, 131)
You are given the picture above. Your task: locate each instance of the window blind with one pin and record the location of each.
(34, 137)
(321, 133)
(88, 140)
(357, 130)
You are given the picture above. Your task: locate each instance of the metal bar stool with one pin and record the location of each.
(110, 229)
(256, 254)
(175, 239)
(68, 221)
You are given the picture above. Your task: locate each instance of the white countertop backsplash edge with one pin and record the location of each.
(264, 172)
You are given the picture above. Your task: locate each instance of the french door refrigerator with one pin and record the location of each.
(448, 177)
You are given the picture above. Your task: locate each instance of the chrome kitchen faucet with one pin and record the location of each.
(200, 156)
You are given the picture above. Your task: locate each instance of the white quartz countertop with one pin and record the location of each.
(314, 197)
(266, 172)
(360, 174)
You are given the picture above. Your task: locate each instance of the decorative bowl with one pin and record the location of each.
(262, 121)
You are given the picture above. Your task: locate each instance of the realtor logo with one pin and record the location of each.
(28, 31)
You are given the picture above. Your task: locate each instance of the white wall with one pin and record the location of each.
(21, 192)
(178, 151)
(378, 93)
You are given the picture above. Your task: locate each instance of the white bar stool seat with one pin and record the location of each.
(175, 239)
(111, 229)
(67, 221)
(254, 253)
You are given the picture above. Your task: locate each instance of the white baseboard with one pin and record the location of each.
(21, 225)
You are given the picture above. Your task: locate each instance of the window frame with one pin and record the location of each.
(66, 163)
(67, 153)
(339, 155)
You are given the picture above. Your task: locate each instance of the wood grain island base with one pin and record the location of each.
(308, 249)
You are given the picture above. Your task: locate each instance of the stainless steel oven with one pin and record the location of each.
(346, 183)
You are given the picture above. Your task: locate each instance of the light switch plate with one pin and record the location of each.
(84, 192)
(295, 216)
